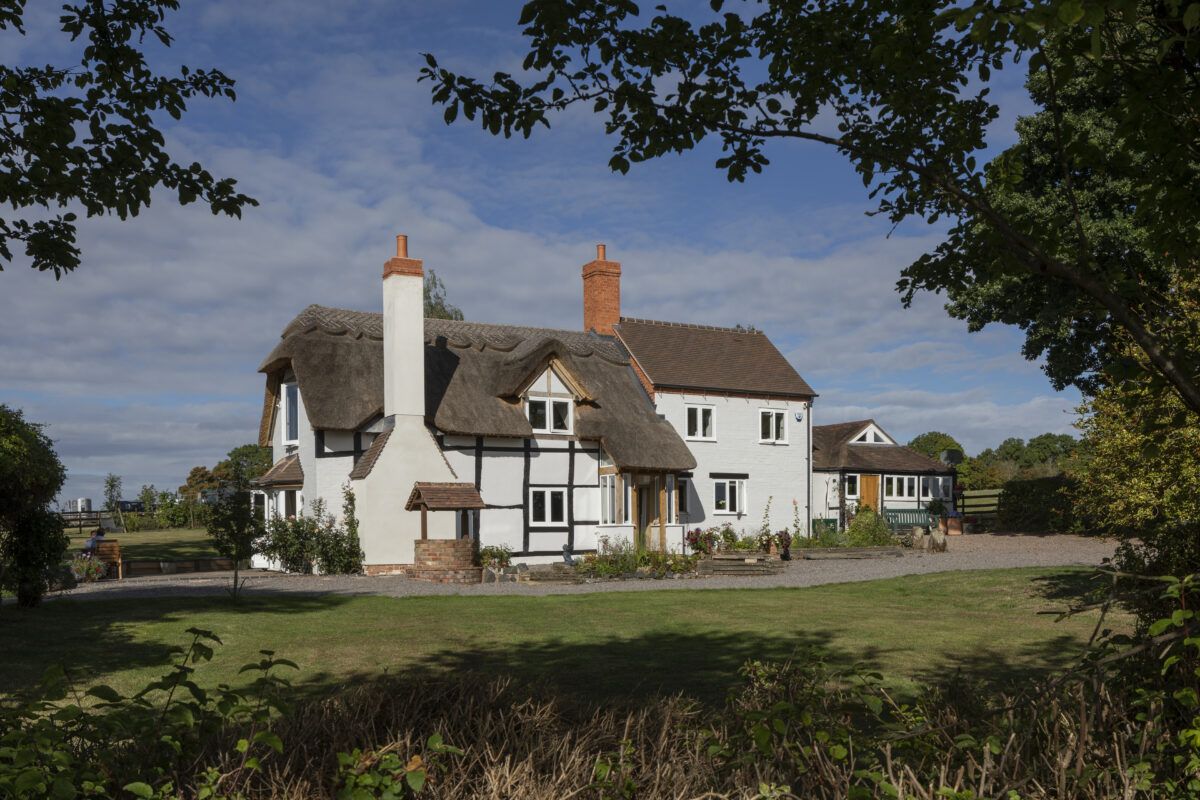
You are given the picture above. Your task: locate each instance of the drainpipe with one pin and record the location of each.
(808, 492)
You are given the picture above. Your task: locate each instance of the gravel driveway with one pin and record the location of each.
(975, 551)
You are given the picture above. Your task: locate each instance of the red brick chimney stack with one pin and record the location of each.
(601, 294)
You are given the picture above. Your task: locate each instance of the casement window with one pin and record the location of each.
(548, 416)
(772, 426)
(851, 486)
(547, 506)
(933, 486)
(291, 413)
(700, 423)
(670, 499)
(608, 499)
(729, 497)
(899, 487)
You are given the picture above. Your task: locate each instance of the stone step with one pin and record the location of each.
(847, 552)
(742, 567)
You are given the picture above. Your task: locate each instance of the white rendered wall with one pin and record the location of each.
(777, 471)
(386, 530)
(825, 495)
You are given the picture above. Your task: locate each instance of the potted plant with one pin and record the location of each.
(937, 510)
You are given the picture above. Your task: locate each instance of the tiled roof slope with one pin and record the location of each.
(285, 472)
(678, 356)
(471, 373)
(444, 496)
(833, 449)
(365, 464)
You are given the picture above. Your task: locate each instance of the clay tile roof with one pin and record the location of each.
(363, 468)
(833, 449)
(679, 356)
(285, 472)
(444, 496)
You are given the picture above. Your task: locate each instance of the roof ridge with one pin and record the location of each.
(690, 325)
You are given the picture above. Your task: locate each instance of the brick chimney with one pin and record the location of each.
(601, 294)
(403, 334)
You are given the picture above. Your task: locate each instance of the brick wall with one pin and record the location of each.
(601, 294)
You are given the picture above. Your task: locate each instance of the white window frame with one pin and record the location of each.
(907, 483)
(936, 486)
(857, 484)
(670, 500)
(548, 403)
(700, 411)
(778, 426)
(739, 487)
(548, 491)
(608, 500)
(290, 409)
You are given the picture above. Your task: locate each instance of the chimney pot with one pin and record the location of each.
(600, 252)
(401, 246)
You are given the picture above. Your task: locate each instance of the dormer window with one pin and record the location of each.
(871, 437)
(547, 415)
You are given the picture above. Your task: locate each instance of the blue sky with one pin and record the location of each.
(143, 362)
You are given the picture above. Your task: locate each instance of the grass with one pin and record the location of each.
(161, 545)
(605, 646)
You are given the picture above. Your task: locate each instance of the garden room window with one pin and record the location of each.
(851, 486)
(729, 496)
(548, 416)
(772, 426)
(608, 499)
(547, 506)
(700, 423)
(899, 487)
(933, 486)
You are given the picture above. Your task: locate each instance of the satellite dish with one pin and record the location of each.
(951, 457)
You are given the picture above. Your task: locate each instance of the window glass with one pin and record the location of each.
(733, 496)
(693, 426)
(764, 428)
(292, 409)
(888, 487)
(671, 499)
(683, 495)
(780, 430)
(562, 415)
(720, 499)
(851, 486)
(625, 499)
(925, 487)
(537, 414)
(538, 510)
(558, 511)
(706, 420)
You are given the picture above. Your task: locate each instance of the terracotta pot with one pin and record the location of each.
(942, 523)
(955, 527)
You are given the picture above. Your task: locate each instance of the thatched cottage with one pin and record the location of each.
(535, 438)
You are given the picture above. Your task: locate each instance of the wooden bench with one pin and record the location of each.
(108, 552)
(906, 518)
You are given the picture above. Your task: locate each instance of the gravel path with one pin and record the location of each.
(976, 551)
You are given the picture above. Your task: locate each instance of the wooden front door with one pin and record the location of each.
(650, 501)
(868, 492)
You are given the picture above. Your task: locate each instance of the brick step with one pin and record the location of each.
(848, 552)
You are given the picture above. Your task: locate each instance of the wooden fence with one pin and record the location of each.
(980, 503)
(81, 519)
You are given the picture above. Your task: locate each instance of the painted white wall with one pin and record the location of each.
(403, 345)
(386, 530)
(825, 495)
(777, 471)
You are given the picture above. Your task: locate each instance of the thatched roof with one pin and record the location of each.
(473, 372)
(834, 448)
(702, 357)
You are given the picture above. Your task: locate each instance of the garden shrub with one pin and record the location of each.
(1037, 505)
(869, 529)
(495, 555)
(316, 541)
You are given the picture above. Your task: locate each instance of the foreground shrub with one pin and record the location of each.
(869, 529)
(316, 541)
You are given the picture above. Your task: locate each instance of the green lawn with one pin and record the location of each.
(604, 646)
(165, 545)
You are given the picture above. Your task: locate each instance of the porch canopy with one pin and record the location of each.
(442, 497)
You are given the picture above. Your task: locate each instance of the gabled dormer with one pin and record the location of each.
(871, 434)
(549, 399)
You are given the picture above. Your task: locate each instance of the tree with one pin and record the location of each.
(148, 497)
(112, 497)
(199, 480)
(896, 75)
(32, 540)
(233, 524)
(932, 443)
(436, 305)
(84, 136)
(249, 460)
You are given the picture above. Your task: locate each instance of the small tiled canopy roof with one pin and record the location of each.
(286, 472)
(680, 356)
(444, 497)
(833, 448)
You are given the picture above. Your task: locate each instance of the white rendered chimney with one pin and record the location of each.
(403, 334)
